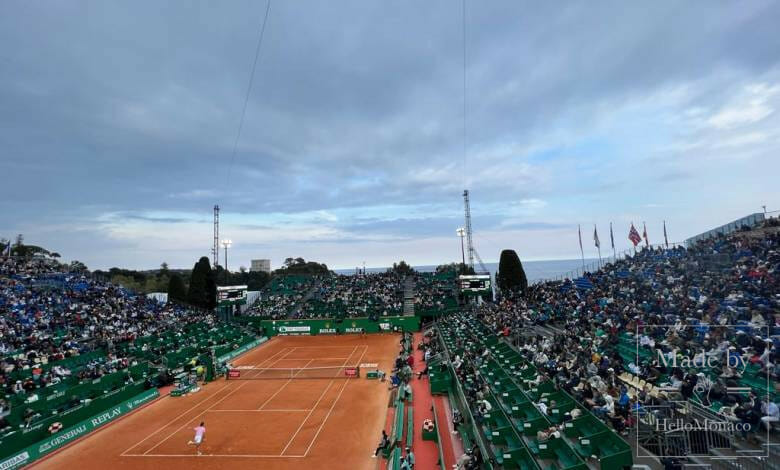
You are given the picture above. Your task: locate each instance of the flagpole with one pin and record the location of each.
(597, 242)
(612, 240)
(582, 253)
(666, 239)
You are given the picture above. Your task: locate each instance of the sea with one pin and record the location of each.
(534, 270)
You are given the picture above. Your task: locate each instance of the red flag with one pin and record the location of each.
(633, 235)
(644, 234)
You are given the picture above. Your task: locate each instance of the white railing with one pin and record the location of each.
(750, 221)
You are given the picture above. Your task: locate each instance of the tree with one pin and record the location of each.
(402, 268)
(211, 289)
(77, 267)
(456, 268)
(164, 268)
(201, 273)
(128, 282)
(511, 275)
(299, 266)
(176, 290)
(19, 249)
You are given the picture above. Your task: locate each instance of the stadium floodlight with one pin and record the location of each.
(462, 233)
(226, 243)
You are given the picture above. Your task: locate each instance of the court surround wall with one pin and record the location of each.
(329, 326)
(71, 433)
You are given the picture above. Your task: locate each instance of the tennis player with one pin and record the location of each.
(198, 439)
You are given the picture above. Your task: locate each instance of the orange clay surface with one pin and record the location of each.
(269, 424)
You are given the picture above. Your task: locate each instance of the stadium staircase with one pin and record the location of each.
(296, 308)
(409, 286)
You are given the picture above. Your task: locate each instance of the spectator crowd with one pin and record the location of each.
(58, 328)
(706, 320)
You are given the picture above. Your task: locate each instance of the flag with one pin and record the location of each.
(596, 238)
(644, 234)
(579, 233)
(633, 235)
(666, 240)
(7, 249)
(611, 236)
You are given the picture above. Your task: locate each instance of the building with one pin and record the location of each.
(261, 265)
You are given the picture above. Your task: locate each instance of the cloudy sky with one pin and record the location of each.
(118, 119)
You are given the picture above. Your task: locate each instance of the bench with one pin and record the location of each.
(397, 433)
(394, 460)
(410, 428)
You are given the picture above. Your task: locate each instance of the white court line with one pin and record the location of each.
(252, 456)
(306, 418)
(190, 409)
(315, 406)
(295, 359)
(256, 411)
(331, 358)
(207, 409)
(123, 454)
(346, 382)
(282, 387)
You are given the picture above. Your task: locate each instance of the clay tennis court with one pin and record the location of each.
(274, 423)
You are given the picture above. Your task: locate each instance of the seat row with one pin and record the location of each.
(516, 397)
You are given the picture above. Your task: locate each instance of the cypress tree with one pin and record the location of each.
(511, 275)
(176, 290)
(210, 293)
(198, 283)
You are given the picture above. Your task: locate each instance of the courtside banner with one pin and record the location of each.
(234, 374)
(294, 330)
(330, 326)
(351, 371)
(66, 436)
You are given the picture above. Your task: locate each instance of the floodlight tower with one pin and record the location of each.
(215, 247)
(462, 233)
(469, 241)
(226, 243)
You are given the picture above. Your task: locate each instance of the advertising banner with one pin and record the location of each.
(64, 437)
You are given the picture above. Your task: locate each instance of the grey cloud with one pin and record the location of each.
(136, 105)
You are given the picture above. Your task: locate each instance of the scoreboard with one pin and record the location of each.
(231, 295)
(476, 284)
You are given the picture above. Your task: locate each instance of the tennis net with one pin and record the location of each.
(254, 373)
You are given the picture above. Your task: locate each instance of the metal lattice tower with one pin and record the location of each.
(472, 251)
(215, 248)
(469, 242)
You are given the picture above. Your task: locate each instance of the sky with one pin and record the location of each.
(118, 122)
